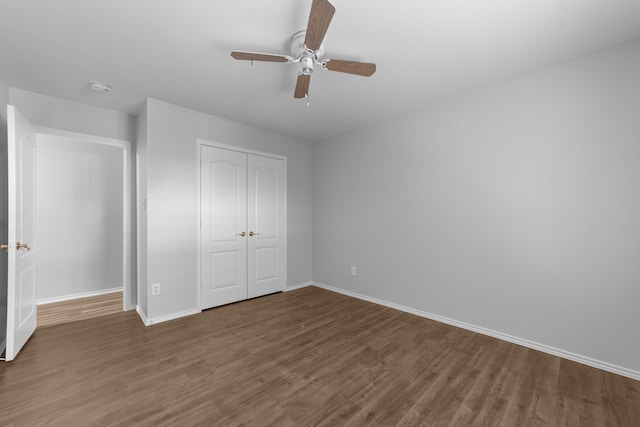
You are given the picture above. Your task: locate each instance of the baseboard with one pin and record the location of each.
(80, 295)
(298, 286)
(143, 316)
(605, 366)
(171, 316)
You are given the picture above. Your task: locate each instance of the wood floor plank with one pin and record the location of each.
(306, 357)
(57, 313)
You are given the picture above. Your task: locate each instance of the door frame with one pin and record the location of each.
(199, 144)
(128, 291)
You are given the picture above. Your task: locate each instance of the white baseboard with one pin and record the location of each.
(79, 295)
(172, 316)
(605, 366)
(143, 316)
(129, 307)
(298, 286)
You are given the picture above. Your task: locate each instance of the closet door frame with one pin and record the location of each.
(199, 144)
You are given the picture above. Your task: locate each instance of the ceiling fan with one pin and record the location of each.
(307, 49)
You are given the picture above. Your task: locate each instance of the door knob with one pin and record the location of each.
(4, 248)
(241, 234)
(251, 233)
(22, 246)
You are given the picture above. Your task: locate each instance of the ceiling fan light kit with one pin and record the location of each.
(307, 49)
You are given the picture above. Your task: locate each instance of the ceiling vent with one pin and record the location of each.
(99, 86)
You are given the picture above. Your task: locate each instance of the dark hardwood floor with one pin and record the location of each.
(306, 357)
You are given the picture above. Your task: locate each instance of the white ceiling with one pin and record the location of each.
(178, 51)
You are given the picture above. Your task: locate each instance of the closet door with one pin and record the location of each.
(223, 204)
(266, 225)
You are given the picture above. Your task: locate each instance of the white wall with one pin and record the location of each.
(4, 100)
(515, 209)
(171, 200)
(79, 217)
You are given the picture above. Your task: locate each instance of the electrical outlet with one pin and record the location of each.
(155, 289)
(354, 271)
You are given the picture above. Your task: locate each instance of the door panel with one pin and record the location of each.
(223, 202)
(224, 269)
(265, 192)
(21, 292)
(27, 299)
(266, 263)
(266, 219)
(226, 218)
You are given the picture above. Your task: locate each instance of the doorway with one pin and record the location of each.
(82, 223)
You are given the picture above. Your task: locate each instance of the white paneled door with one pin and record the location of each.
(243, 225)
(266, 224)
(21, 292)
(223, 232)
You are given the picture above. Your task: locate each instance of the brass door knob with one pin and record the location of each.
(251, 233)
(241, 234)
(4, 248)
(22, 246)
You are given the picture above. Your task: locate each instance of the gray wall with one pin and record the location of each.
(141, 210)
(79, 217)
(57, 113)
(4, 100)
(515, 209)
(171, 159)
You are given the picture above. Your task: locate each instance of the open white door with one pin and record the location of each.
(21, 294)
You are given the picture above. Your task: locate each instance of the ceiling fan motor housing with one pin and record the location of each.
(307, 65)
(307, 57)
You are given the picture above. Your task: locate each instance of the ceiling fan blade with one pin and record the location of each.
(253, 56)
(302, 86)
(351, 67)
(319, 19)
